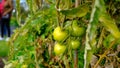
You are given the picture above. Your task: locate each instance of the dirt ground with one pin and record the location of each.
(1, 63)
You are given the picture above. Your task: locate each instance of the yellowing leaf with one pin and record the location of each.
(110, 25)
(80, 11)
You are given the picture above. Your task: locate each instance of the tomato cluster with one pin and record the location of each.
(61, 35)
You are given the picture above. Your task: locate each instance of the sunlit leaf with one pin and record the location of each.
(76, 12)
(118, 0)
(64, 4)
(107, 41)
(18, 12)
(110, 25)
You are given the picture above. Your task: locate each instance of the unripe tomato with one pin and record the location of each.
(75, 44)
(59, 49)
(24, 66)
(58, 34)
(76, 30)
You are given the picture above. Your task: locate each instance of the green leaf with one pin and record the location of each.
(18, 12)
(107, 41)
(64, 4)
(80, 11)
(117, 0)
(110, 25)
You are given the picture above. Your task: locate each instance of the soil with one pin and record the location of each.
(1, 63)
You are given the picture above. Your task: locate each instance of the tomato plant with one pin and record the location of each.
(66, 34)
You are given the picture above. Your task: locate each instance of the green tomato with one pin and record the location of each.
(59, 49)
(4, 49)
(75, 44)
(58, 34)
(24, 66)
(78, 31)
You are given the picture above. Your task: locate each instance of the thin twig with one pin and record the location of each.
(101, 38)
(104, 54)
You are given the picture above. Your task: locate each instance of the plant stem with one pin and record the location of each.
(101, 38)
(76, 52)
(77, 2)
(76, 59)
(58, 14)
(104, 54)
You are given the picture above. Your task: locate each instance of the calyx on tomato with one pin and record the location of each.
(59, 34)
(59, 49)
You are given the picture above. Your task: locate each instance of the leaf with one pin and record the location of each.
(65, 4)
(18, 12)
(80, 11)
(117, 0)
(107, 41)
(110, 25)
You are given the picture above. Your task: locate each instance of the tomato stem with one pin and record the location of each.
(76, 52)
(104, 54)
(58, 14)
(75, 59)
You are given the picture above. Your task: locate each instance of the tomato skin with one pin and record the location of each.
(58, 34)
(75, 44)
(78, 31)
(59, 49)
(24, 66)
